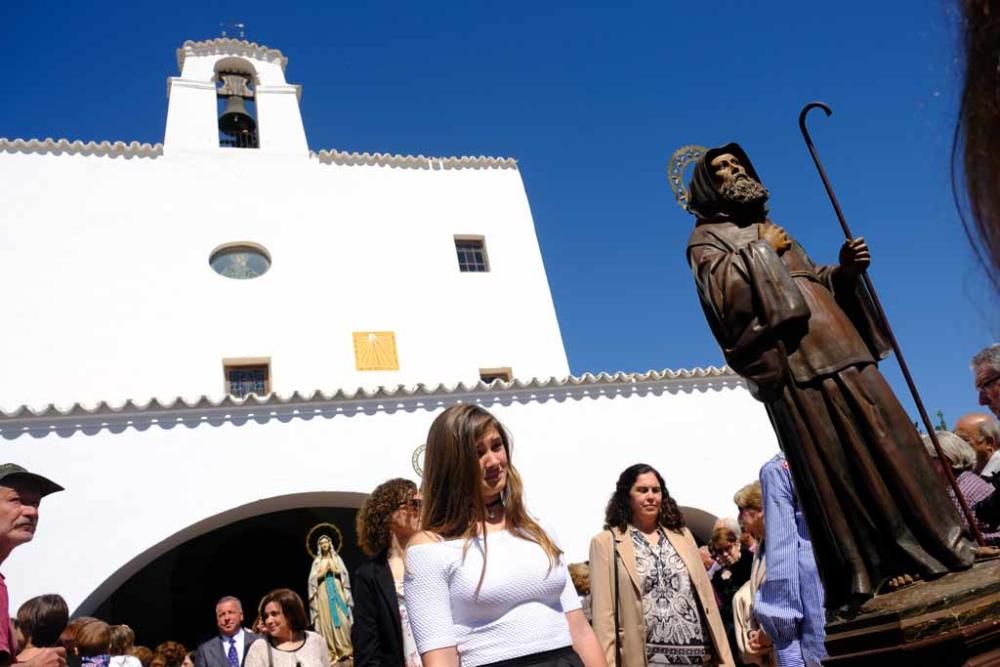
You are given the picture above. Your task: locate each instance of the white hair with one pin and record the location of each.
(989, 428)
(230, 598)
(727, 522)
(959, 453)
(989, 356)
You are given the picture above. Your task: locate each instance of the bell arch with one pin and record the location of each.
(236, 84)
(236, 65)
(196, 555)
(699, 522)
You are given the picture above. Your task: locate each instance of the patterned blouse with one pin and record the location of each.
(675, 629)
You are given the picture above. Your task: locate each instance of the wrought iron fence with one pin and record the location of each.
(241, 140)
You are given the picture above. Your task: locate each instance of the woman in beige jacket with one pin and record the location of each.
(763, 652)
(666, 609)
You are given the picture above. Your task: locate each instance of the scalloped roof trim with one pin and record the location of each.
(414, 161)
(136, 149)
(229, 46)
(400, 392)
(99, 148)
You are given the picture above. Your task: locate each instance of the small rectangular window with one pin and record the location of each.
(247, 376)
(488, 375)
(471, 254)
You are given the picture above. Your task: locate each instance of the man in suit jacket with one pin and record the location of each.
(229, 647)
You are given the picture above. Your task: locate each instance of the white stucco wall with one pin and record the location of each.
(106, 250)
(113, 296)
(134, 489)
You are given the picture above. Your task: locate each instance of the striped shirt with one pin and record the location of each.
(789, 604)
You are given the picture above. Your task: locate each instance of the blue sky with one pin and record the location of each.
(592, 100)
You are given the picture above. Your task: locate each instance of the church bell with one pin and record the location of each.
(235, 120)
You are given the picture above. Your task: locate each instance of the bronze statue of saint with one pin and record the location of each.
(806, 338)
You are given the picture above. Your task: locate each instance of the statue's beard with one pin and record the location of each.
(744, 191)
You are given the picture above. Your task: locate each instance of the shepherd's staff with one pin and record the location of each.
(885, 322)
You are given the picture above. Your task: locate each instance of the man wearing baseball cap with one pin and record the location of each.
(21, 493)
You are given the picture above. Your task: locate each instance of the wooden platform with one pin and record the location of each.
(952, 621)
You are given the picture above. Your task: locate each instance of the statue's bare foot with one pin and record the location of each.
(986, 553)
(901, 581)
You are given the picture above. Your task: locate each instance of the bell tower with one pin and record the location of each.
(259, 109)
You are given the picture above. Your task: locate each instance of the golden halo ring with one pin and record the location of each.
(338, 544)
(679, 161)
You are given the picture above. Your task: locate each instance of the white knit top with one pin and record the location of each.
(521, 607)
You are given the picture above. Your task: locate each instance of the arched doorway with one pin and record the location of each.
(172, 596)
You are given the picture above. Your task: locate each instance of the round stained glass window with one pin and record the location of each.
(241, 261)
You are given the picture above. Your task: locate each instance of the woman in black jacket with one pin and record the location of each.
(381, 632)
(735, 563)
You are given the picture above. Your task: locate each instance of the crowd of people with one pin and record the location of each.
(460, 572)
(44, 634)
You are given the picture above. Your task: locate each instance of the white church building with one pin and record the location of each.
(230, 326)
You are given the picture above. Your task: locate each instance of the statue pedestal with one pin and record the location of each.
(954, 620)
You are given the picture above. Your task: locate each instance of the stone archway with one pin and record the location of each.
(169, 591)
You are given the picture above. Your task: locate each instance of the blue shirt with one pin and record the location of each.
(789, 604)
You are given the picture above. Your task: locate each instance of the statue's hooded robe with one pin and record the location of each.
(806, 338)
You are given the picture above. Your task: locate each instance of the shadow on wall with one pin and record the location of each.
(169, 591)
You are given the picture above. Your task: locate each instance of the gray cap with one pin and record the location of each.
(10, 472)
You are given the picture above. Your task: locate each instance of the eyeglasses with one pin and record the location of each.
(986, 385)
(413, 503)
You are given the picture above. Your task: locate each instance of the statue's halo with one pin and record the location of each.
(678, 163)
(338, 542)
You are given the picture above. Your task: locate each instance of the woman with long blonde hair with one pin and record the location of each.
(486, 584)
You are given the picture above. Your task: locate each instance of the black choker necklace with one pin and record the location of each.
(491, 507)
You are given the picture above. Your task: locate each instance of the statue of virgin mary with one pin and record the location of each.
(330, 601)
